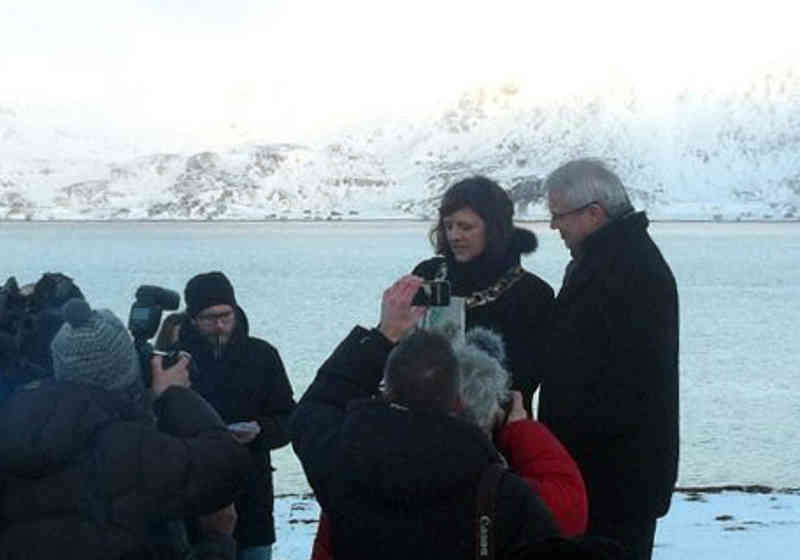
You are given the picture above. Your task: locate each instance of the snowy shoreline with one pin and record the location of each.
(729, 522)
(743, 488)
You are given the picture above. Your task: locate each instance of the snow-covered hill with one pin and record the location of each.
(704, 153)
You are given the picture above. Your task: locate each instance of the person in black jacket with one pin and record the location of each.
(610, 392)
(397, 476)
(86, 471)
(479, 254)
(244, 379)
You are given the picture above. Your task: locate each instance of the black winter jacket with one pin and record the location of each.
(248, 382)
(611, 390)
(87, 475)
(397, 483)
(520, 314)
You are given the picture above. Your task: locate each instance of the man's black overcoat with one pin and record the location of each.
(610, 392)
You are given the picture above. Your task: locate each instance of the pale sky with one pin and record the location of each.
(284, 69)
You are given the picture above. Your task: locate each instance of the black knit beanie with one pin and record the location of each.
(206, 290)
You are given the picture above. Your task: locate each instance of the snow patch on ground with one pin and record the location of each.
(724, 525)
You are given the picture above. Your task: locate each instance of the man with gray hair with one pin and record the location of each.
(610, 389)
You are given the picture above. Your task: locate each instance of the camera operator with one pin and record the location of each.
(90, 475)
(530, 450)
(398, 476)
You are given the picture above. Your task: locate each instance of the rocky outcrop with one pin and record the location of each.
(87, 195)
(15, 206)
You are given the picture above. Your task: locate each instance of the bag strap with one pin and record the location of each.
(485, 514)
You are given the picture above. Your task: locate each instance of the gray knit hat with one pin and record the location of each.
(94, 348)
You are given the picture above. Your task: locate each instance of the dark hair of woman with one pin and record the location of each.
(487, 199)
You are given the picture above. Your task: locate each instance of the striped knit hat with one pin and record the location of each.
(95, 348)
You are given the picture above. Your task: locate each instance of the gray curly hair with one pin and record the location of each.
(485, 383)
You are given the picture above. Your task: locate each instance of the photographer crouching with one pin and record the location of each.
(88, 474)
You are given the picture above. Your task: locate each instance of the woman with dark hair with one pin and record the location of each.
(479, 251)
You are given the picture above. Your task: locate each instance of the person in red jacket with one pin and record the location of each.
(535, 454)
(530, 449)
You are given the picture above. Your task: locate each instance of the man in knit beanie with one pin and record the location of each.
(211, 304)
(127, 480)
(244, 379)
(206, 290)
(94, 348)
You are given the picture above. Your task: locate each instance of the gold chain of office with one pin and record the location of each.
(487, 295)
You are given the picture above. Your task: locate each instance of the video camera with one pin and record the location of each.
(29, 319)
(143, 322)
(15, 325)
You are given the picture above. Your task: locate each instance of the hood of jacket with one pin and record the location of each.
(48, 426)
(408, 458)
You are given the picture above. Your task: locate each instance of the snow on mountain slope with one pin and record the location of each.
(708, 153)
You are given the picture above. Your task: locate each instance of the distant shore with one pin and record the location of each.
(351, 220)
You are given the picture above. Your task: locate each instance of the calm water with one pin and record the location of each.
(304, 285)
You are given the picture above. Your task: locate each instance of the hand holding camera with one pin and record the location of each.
(143, 322)
(398, 314)
(177, 374)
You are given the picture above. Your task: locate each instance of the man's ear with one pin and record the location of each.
(458, 406)
(598, 214)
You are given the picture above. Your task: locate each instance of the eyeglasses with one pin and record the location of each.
(224, 317)
(558, 215)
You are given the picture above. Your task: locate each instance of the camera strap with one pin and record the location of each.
(485, 511)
